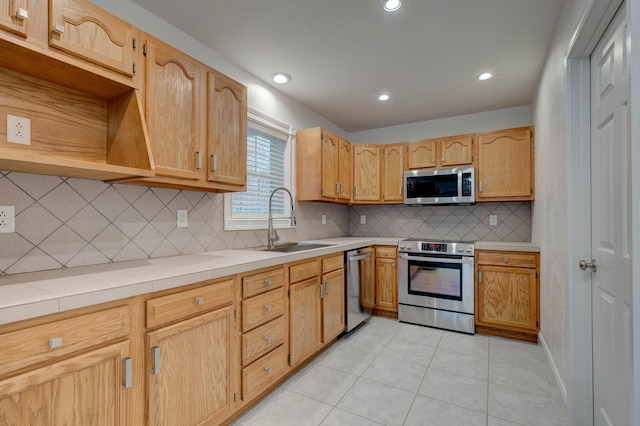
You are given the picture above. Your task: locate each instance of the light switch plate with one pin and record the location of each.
(183, 221)
(363, 219)
(493, 220)
(324, 219)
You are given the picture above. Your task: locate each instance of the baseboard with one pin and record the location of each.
(563, 388)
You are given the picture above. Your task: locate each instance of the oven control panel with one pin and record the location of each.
(436, 247)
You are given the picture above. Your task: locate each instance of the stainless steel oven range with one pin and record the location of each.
(435, 283)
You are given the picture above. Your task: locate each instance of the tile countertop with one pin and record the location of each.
(34, 294)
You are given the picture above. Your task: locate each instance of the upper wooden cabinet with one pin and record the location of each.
(14, 16)
(82, 29)
(226, 129)
(392, 173)
(505, 165)
(366, 172)
(441, 152)
(323, 164)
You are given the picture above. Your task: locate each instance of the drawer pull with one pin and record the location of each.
(267, 282)
(321, 291)
(326, 286)
(199, 300)
(268, 340)
(156, 360)
(55, 342)
(128, 372)
(267, 308)
(267, 370)
(505, 260)
(22, 14)
(58, 28)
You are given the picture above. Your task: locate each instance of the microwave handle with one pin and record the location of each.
(435, 259)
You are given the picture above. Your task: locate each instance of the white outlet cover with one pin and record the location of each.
(363, 219)
(324, 219)
(18, 130)
(7, 219)
(493, 220)
(183, 218)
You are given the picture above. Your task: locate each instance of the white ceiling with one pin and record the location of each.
(343, 53)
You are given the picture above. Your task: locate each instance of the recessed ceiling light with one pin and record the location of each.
(383, 97)
(281, 78)
(392, 5)
(485, 76)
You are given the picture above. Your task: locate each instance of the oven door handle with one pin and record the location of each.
(436, 259)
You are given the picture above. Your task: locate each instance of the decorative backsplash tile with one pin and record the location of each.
(465, 223)
(65, 222)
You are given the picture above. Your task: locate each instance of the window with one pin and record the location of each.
(268, 167)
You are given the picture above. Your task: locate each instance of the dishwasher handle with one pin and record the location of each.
(358, 257)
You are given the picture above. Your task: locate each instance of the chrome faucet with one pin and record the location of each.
(272, 234)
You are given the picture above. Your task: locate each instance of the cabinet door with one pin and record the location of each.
(192, 370)
(386, 284)
(366, 172)
(505, 165)
(421, 154)
(344, 170)
(456, 150)
(82, 29)
(330, 149)
(173, 95)
(393, 167)
(305, 319)
(87, 389)
(333, 304)
(9, 19)
(226, 129)
(507, 298)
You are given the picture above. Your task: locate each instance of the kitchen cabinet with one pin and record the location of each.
(323, 164)
(191, 377)
(14, 16)
(386, 302)
(505, 165)
(226, 130)
(508, 294)
(442, 152)
(83, 30)
(366, 173)
(392, 174)
(333, 299)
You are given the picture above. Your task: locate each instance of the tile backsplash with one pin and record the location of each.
(64, 222)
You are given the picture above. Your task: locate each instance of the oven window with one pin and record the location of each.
(442, 280)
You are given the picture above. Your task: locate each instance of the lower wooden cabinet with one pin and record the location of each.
(191, 376)
(333, 304)
(387, 281)
(508, 294)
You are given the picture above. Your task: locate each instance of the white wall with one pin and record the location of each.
(261, 97)
(470, 123)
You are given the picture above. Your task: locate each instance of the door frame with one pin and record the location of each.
(594, 21)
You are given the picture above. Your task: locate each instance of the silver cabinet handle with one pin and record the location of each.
(22, 14)
(55, 342)
(326, 286)
(199, 300)
(214, 162)
(58, 28)
(337, 187)
(442, 160)
(321, 291)
(267, 282)
(356, 189)
(267, 308)
(480, 277)
(156, 360)
(127, 373)
(433, 161)
(393, 265)
(199, 155)
(480, 186)
(505, 260)
(267, 370)
(593, 265)
(268, 339)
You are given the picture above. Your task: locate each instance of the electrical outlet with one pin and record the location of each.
(493, 220)
(363, 219)
(324, 219)
(7, 219)
(18, 130)
(183, 218)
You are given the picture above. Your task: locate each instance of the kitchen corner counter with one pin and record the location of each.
(30, 295)
(507, 246)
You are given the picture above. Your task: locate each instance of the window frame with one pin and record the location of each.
(247, 222)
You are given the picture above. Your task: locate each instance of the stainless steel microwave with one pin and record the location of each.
(440, 186)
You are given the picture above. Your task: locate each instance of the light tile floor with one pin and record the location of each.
(391, 373)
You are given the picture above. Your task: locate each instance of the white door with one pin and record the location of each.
(611, 233)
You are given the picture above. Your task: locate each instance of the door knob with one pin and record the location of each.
(592, 265)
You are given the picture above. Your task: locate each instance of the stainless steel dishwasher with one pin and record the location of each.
(360, 297)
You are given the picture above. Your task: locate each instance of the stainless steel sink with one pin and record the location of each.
(293, 247)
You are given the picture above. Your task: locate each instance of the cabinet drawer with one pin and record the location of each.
(389, 252)
(180, 305)
(261, 340)
(303, 271)
(332, 263)
(507, 258)
(262, 373)
(22, 348)
(261, 282)
(260, 309)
